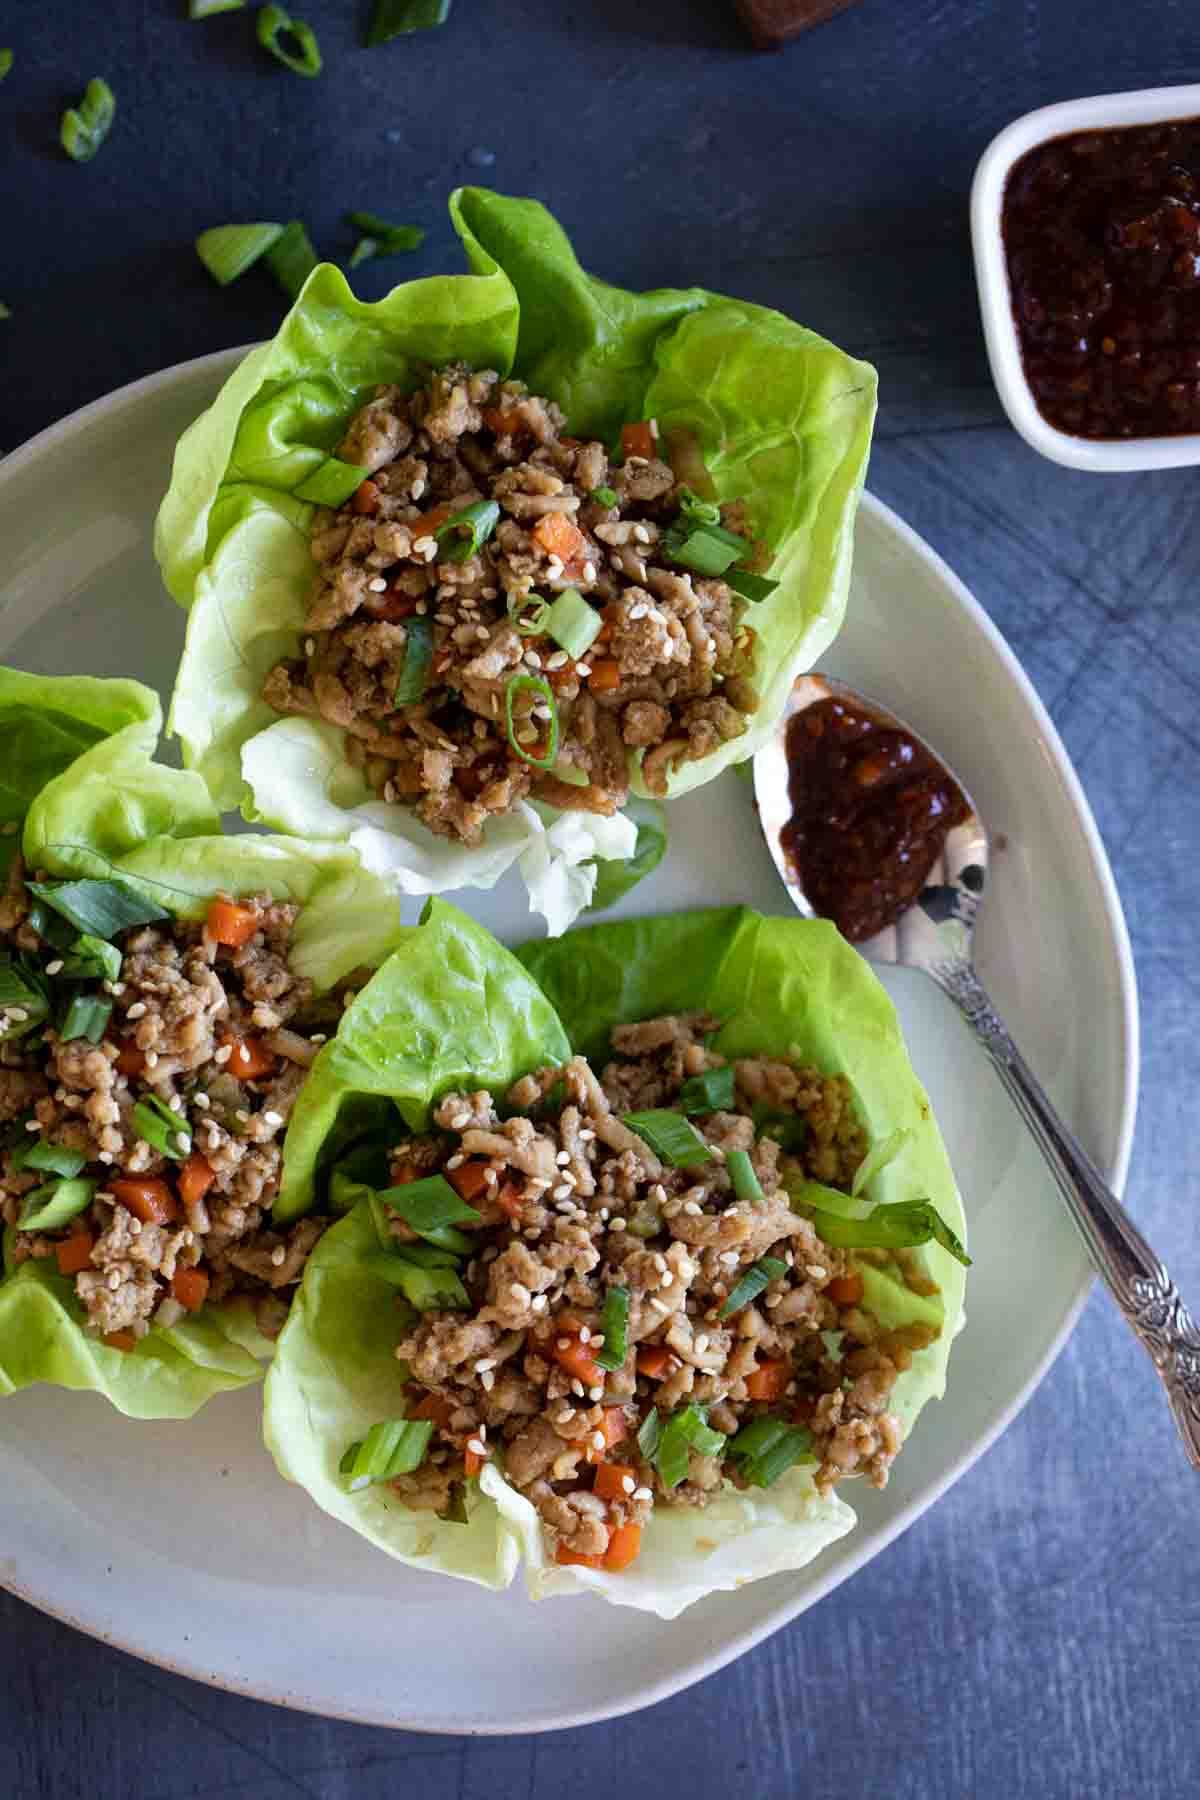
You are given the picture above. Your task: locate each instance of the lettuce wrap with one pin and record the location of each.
(783, 986)
(782, 418)
(81, 787)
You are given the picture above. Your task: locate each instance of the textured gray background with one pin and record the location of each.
(1036, 1633)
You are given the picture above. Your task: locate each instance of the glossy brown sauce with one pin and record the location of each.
(870, 812)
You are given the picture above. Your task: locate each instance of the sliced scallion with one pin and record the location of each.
(475, 523)
(227, 251)
(394, 18)
(670, 1136)
(881, 1153)
(614, 1324)
(902, 1226)
(757, 1277)
(528, 624)
(685, 1430)
(746, 1184)
(425, 1256)
(56, 1203)
(710, 1092)
(332, 483)
(393, 1447)
(703, 550)
(418, 654)
(92, 958)
(535, 684)
(48, 1158)
(572, 623)
(52, 929)
(767, 1447)
(380, 238)
(99, 908)
(206, 9)
(788, 1129)
(428, 1290)
(648, 1435)
(429, 1204)
(6, 62)
(604, 496)
(696, 511)
(85, 127)
(24, 998)
(291, 258)
(275, 27)
(87, 1017)
(165, 1131)
(749, 585)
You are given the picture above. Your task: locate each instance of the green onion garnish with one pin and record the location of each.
(696, 511)
(788, 1129)
(227, 251)
(425, 1256)
(54, 930)
(478, 521)
(528, 624)
(274, 26)
(902, 1226)
(99, 908)
(429, 1290)
(84, 128)
(393, 18)
(393, 1447)
(165, 1131)
(685, 1430)
(5, 311)
(749, 585)
(345, 1192)
(572, 623)
(758, 1276)
(649, 1432)
(881, 1153)
(536, 685)
(418, 654)
(47, 1158)
(670, 1136)
(24, 998)
(55, 1204)
(710, 1092)
(614, 1323)
(703, 550)
(291, 258)
(332, 483)
(6, 62)
(206, 9)
(746, 1184)
(92, 958)
(767, 1447)
(380, 238)
(604, 496)
(86, 1017)
(429, 1204)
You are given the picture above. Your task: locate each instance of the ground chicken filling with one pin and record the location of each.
(393, 613)
(573, 1205)
(165, 1134)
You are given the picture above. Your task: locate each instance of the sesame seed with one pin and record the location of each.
(460, 1121)
(772, 1300)
(558, 660)
(642, 1493)
(55, 967)
(389, 792)
(667, 650)
(617, 1225)
(598, 1440)
(641, 534)
(585, 1336)
(660, 618)
(183, 1140)
(730, 1258)
(424, 544)
(563, 1192)
(702, 1343)
(667, 1280)
(272, 1118)
(114, 1280)
(542, 712)
(520, 1293)
(583, 668)
(175, 1103)
(586, 1135)
(638, 612)
(660, 1261)
(482, 1434)
(318, 1037)
(202, 1101)
(604, 1212)
(577, 1389)
(482, 633)
(554, 568)
(32, 1125)
(475, 1447)
(422, 608)
(533, 659)
(693, 1208)
(660, 1306)
(563, 1158)
(398, 1354)
(457, 1161)
(106, 1156)
(589, 572)
(539, 1303)
(564, 1417)
(816, 1271)
(223, 1054)
(628, 1484)
(491, 1177)
(278, 1255)
(377, 585)
(310, 645)
(485, 1362)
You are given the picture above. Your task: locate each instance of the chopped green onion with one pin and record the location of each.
(536, 685)
(418, 654)
(47, 1158)
(348, 1456)
(614, 1323)
(902, 1226)
(274, 25)
(758, 1276)
(99, 908)
(710, 1092)
(696, 511)
(572, 623)
(756, 1438)
(56, 1203)
(448, 1239)
(5, 311)
(291, 258)
(826, 1199)
(768, 1447)
(749, 585)
(648, 1435)
(670, 1136)
(162, 1128)
(534, 625)
(84, 128)
(429, 1290)
(878, 1157)
(49, 926)
(425, 1256)
(207, 9)
(92, 958)
(685, 1430)
(456, 1507)
(227, 251)
(86, 1017)
(24, 998)
(345, 1192)
(702, 550)
(379, 238)
(478, 521)
(393, 1447)
(332, 484)
(788, 1129)
(746, 1184)
(429, 1204)
(393, 18)
(6, 62)
(604, 496)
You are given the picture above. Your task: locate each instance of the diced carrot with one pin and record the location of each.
(366, 498)
(120, 1340)
(576, 1359)
(74, 1253)
(130, 1061)
(195, 1179)
(638, 440)
(431, 522)
(654, 1361)
(501, 422)
(610, 1481)
(846, 1290)
(250, 1058)
(394, 606)
(576, 1559)
(605, 676)
(472, 1461)
(434, 1407)
(147, 1198)
(614, 1426)
(231, 924)
(404, 1172)
(508, 1198)
(623, 1548)
(770, 1379)
(557, 536)
(469, 1180)
(190, 1288)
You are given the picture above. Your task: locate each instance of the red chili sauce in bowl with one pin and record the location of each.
(1102, 234)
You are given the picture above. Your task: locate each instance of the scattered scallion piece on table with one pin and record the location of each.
(614, 1324)
(291, 258)
(6, 62)
(275, 27)
(535, 684)
(56, 1203)
(99, 908)
(473, 526)
(418, 654)
(670, 1136)
(746, 1184)
(378, 237)
(572, 623)
(85, 127)
(87, 1017)
(165, 1131)
(710, 1092)
(227, 251)
(757, 1277)
(205, 9)
(395, 18)
(5, 311)
(332, 483)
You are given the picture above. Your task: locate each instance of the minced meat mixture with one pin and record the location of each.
(668, 675)
(216, 1036)
(575, 1203)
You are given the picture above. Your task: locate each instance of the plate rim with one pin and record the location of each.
(884, 518)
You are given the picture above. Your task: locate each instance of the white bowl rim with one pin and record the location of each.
(1095, 112)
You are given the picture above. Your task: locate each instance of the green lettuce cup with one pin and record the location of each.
(781, 418)
(85, 800)
(452, 1011)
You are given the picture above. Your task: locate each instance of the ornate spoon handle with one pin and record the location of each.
(1135, 1277)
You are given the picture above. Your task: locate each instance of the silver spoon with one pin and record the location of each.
(936, 935)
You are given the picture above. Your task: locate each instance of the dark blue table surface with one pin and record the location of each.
(1036, 1633)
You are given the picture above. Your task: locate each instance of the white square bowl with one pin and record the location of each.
(1148, 106)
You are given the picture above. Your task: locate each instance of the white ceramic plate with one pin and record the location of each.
(179, 1543)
